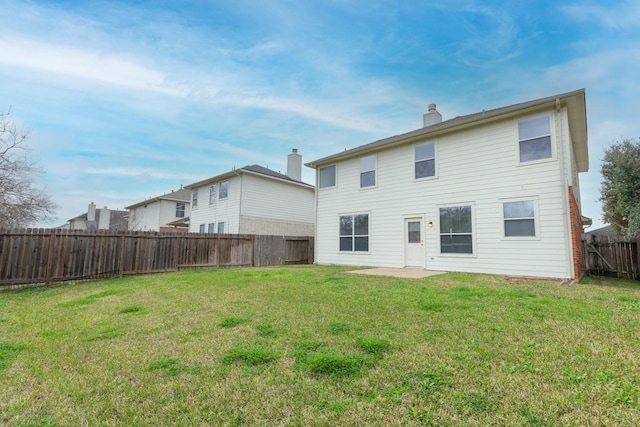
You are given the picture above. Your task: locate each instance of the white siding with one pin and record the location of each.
(478, 167)
(168, 211)
(273, 199)
(145, 217)
(224, 210)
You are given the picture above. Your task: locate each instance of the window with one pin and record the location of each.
(425, 160)
(455, 230)
(354, 233)
(224, 189)
(179, 210)
(534, 135)
(368, 171)
(194, 199)
(202, 228)
(211, 228)
(519, 219)
(327, 176)
(212, 195)
(221, 227)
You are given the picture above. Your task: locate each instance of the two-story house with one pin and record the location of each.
(492, 192)
(98, 219)
(159, 213)
(254, 200)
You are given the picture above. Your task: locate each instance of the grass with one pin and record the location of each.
(315, 346)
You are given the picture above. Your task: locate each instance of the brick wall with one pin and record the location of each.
(576, 235)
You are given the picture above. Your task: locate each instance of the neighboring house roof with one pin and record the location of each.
(181, 222)
(575, 102)
(602, 231)
(251, 169)
(182, 195)
(117, 219)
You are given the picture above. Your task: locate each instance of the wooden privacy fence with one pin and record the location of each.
(612, 256)
(51, 255)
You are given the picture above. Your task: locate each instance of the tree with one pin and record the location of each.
(620, 188)
(21, 203)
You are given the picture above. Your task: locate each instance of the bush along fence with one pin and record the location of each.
(51, 255)
(612, 256)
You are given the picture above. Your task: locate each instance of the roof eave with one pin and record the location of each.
(574, 100)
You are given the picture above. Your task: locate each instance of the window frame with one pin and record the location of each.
(535, 218)
(374, 170)
(353, 236)
(212, 194)
(471, 233)
(220, 229)
(183, 210)
(434, 158)
(211, 228)
(194, 199)
(526, 139)
(335, 176)
(224, 185)
(201, 229)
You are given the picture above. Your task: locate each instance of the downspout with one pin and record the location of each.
(241, 197)
(566, 210)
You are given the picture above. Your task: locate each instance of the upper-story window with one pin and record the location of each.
(534, 136)
(327, 176)
(368, 171)
(179, 210)
(425, 159)
(224, 189)
(194, 199)
(212, 194)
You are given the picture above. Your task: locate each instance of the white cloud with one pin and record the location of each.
(623, 15)
(86, 64)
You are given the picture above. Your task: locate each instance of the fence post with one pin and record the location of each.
(52, 241)
(121, 258)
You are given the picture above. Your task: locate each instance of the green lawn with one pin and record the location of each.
(310, 345)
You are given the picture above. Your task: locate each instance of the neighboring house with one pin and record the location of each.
(254, 200)
(98, 219)
(163, 213)
(492, 192)
(602, 231)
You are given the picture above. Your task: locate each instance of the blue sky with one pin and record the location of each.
(128, 100)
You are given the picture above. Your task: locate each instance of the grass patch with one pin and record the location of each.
(373, 345)
(170, 366)
(329, 348)
(133, 309)
(266, 330)
(339, 327)
(333, 364)
(230, 322)
(250, 356)
(8, 353)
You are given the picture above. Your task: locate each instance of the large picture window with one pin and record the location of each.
(456, 234)
(534, 135)
(327, 176)
(425, 160)
(519, 219)
(368, 171)
(354, 233)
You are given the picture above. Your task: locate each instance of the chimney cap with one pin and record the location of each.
(432, 107)
(294, 150)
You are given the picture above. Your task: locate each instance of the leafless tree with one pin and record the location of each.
(21, 203)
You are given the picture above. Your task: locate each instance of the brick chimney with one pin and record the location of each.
(294, 165)
(432, 117)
